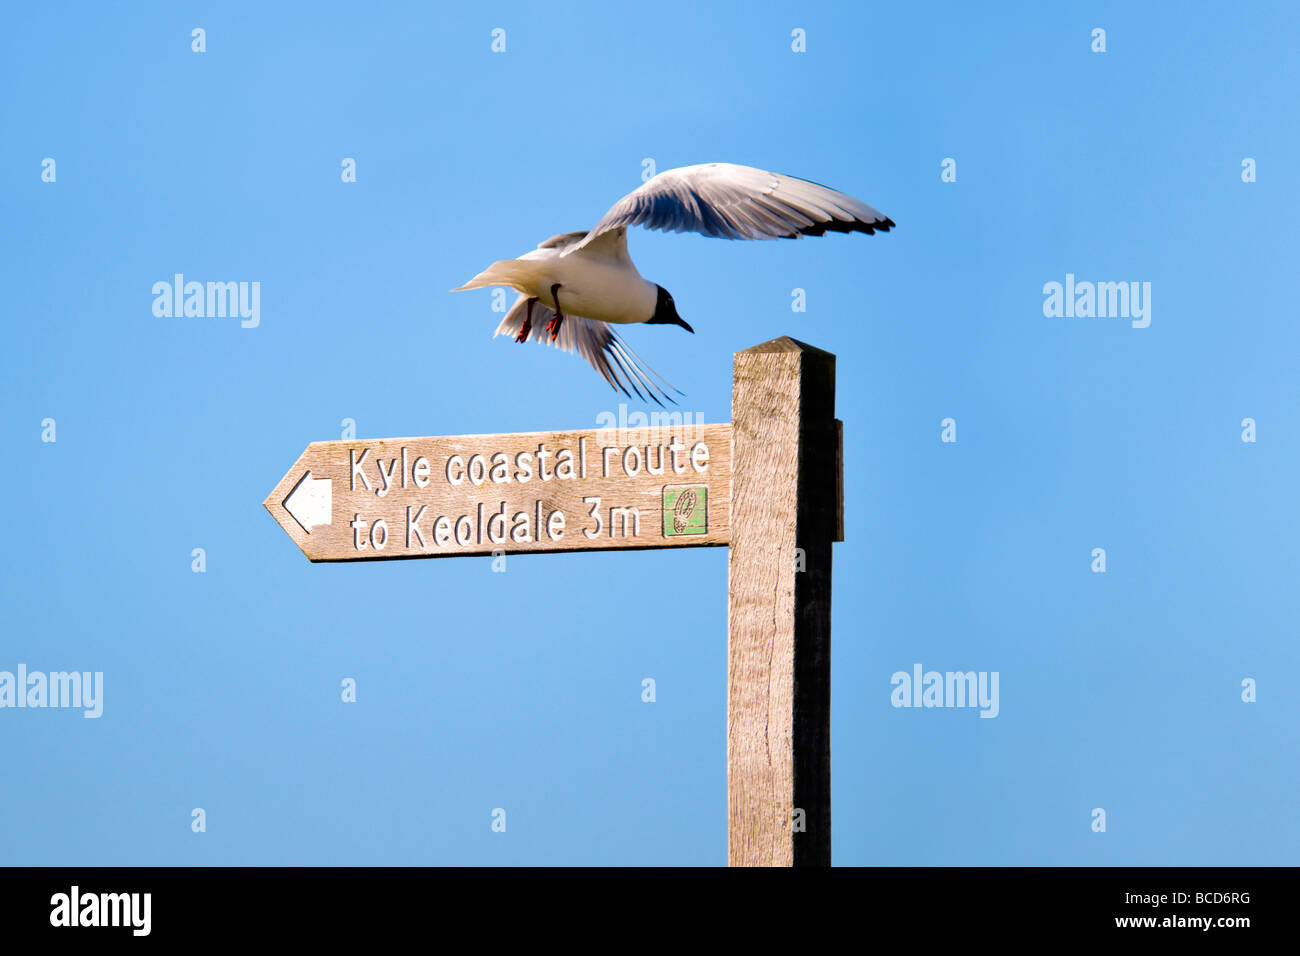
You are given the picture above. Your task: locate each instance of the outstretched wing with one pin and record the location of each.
(737, 202)
(596, 342)
(561, 241)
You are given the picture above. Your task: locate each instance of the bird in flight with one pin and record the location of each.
(575, 286)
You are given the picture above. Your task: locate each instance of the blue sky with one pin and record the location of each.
(522, 690)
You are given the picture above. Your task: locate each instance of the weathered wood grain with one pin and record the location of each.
(476, 494)
(785, 496)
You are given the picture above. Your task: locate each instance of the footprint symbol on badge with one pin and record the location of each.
(683, 510)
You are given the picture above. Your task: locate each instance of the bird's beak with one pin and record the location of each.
(682, 323)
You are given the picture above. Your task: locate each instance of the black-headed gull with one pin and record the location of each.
(578, 284)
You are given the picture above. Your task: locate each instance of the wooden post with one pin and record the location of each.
(785, 512)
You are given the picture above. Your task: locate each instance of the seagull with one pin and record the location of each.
(576, 286)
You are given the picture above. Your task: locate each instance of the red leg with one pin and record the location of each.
(553, 326)
(527, 327)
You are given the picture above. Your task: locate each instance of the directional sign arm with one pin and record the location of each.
(617, 488)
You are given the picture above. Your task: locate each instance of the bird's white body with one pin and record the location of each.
(592, 283)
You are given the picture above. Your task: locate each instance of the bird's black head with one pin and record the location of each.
(666, 312)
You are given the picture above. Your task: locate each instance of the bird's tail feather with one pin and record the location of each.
(511, 272)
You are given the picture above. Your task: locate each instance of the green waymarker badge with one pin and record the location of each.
(686, 510)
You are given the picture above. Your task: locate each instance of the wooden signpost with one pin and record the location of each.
(539, 491)
(768, 485)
